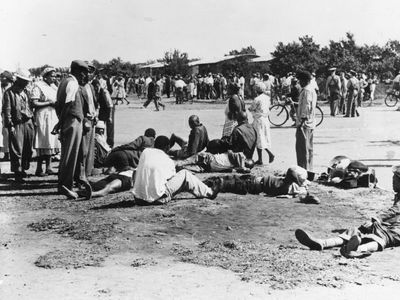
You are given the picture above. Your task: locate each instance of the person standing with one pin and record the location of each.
(7, 81)
(352, 94)
(18, 118)
(234, 106)
(305, 122)
(44, 97)
(260, 109)
(333, 90)
(343, 82)
(242, 82)
(70, 111)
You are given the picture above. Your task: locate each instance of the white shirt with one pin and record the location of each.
(241, 82)
(314, 84)
(180, 84)
(155, 168)
(397, 78)
(71, 89)
(147, 81)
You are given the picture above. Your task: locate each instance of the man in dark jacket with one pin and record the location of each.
(198, 140)
(128, 155)
(243, 137)
(18, 119)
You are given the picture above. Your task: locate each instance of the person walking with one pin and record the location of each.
(305, 122)
(44, 97)
(260, 109)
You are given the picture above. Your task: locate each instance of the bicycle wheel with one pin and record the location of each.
(390, 100)
(278, 115)
(319, 116)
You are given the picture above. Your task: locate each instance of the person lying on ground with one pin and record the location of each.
(198, 140)
(128, 155)
(294, 183)
(243, 137)
(223, 162)
(156, 181)
(381, 232)
(114, 183)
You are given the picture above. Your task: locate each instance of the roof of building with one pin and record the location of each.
(264, 58)
(214, 60)
(153, 66)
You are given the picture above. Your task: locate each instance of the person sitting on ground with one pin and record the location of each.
(101, 148)
(221, 162)
(381, 232)
(293, 183)
(128, 155)
(156, 181)
(198, 140)
(243, 137)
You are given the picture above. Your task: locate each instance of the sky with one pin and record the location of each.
(55, 32)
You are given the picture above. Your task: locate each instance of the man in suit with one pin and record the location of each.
(70, 110)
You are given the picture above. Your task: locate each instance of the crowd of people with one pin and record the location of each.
(69, 118)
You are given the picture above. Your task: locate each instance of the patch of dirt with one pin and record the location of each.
(71, 258)
(140, 262)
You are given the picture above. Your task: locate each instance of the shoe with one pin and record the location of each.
(271, 158)
(216, 188)
(346, 116)
(307, 240)
(19, 178)
(67, 192)
(40, 174)
(259, 163)
(51, 172)
(310, 199)
(351, 246)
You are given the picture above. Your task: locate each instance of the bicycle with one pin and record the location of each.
(392, 97)
(279, 113)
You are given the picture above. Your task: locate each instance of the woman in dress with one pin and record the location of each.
(233, 108)
(119, 93)
(260, 109)
(43, 97)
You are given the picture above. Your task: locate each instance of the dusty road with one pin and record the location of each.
(235, 247)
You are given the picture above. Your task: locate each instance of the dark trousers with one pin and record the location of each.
(156, 101)
(352, 104)
(88, 143)
(334, 99)
(20, 143)
(71, 139)
(304, 147)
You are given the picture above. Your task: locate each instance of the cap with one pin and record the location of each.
(100, 125)
(7, 75)
(332, 69)
(352, 72)
(79, 64)
(48, 70)
(24, 75)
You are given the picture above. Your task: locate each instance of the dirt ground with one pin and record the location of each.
(235, 247)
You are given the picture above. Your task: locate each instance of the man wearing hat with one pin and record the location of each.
(18, 120)
(305, 122)
(71, 113)
(352, 94)
(7, 80)
(333, 89)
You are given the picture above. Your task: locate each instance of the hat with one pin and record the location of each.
(352, 72)
(332, 69)
(24, 75)
(48, 70)
(7, 75)
(91, 67)
(79, 64)
(100, 125)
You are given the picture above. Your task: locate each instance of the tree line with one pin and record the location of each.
(304, 54)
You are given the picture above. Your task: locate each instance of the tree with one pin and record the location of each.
(176, 62)
(294, 56)
(248, 50)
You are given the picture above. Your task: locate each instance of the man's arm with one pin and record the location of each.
(7, 110)
(194, 140)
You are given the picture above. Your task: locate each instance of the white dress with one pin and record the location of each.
(260, 110)
(45, 119)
